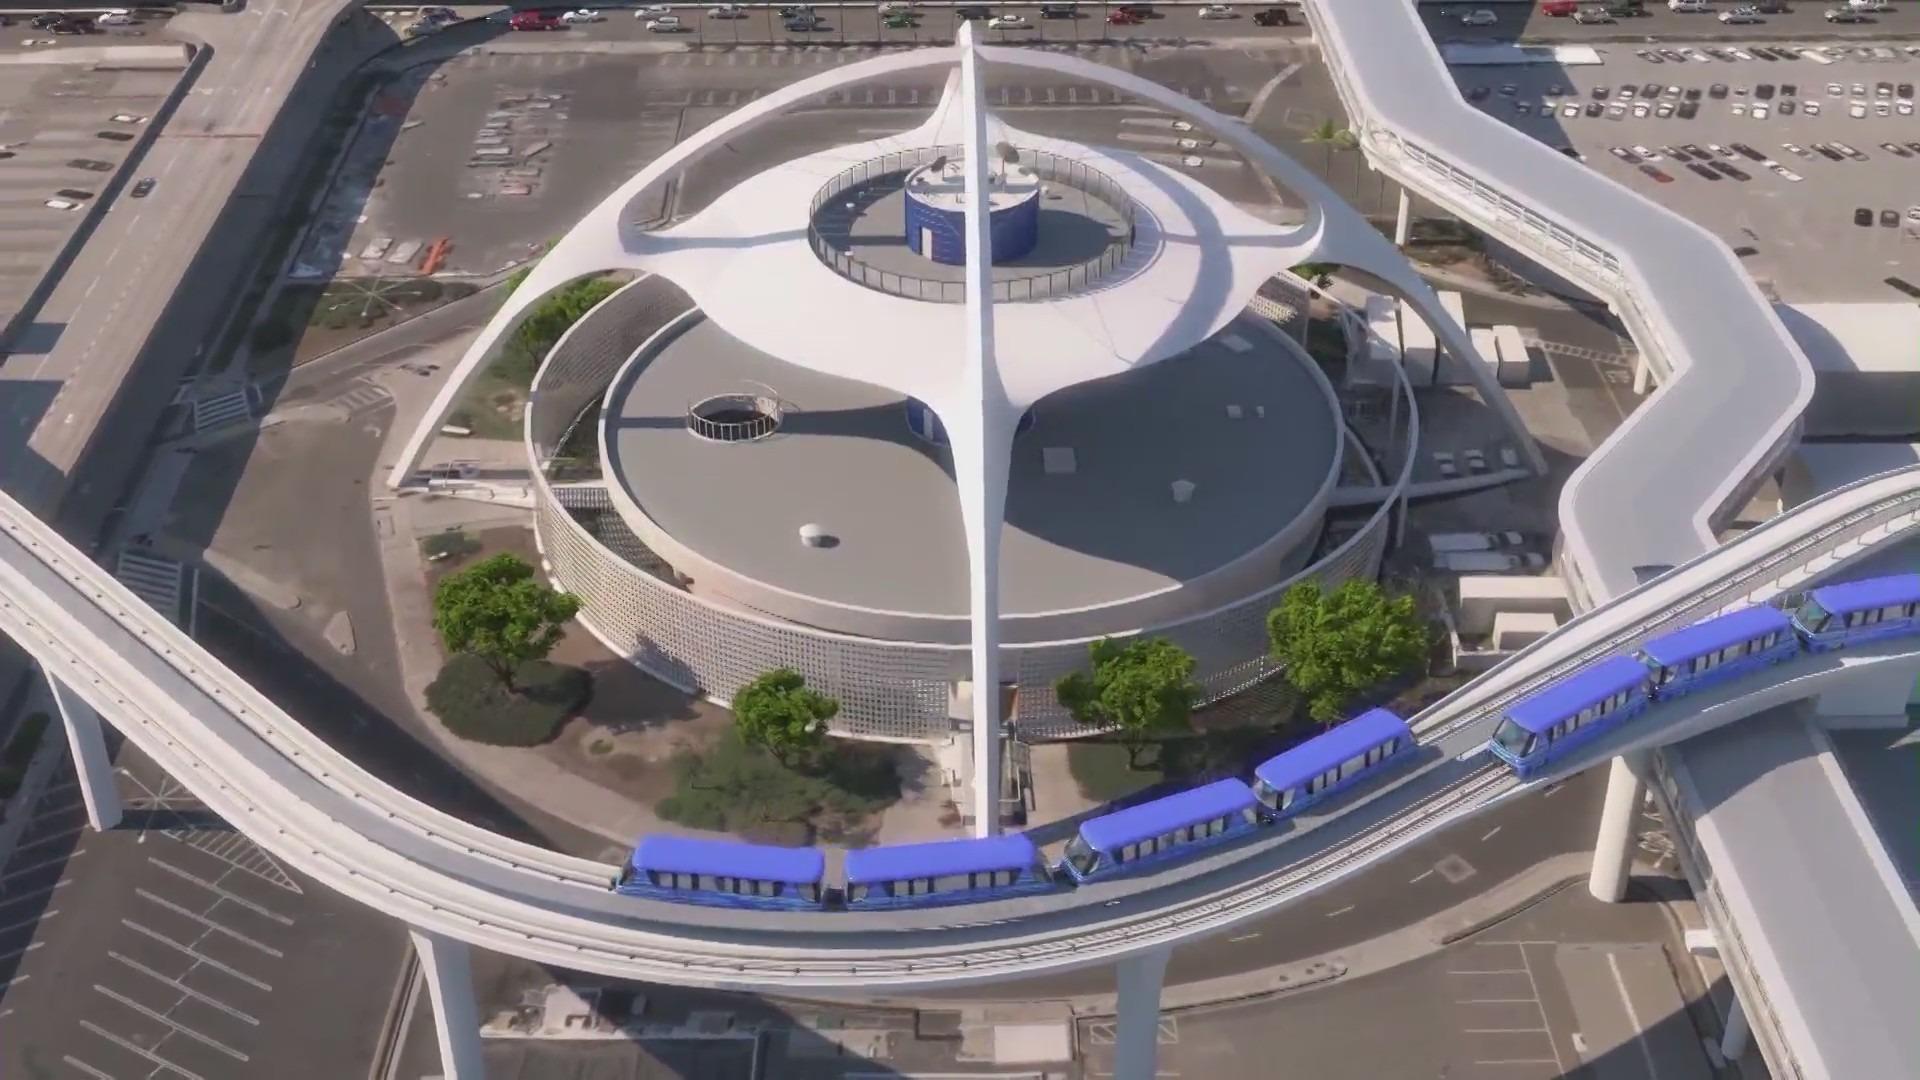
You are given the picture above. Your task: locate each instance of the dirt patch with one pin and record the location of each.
(627, 735)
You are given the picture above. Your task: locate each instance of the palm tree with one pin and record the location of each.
(1335, 139)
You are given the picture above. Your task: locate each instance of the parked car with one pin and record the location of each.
(142, 187)
(665, 24)
(1059, 11)
(1600, 16)
(535, 20)
(1272, 17)
(583, 15)
(1863, 217)
(1009, 21)
(1216, 11)
(116, 17)
(1845, 15)
(1124, 18)
(1479, 17)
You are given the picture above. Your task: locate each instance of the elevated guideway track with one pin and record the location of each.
(1733, 382)
(320, 813)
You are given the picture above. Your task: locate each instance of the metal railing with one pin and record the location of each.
(1040, 285)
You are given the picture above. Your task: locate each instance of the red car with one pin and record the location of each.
(1124, 18)
(535, 20)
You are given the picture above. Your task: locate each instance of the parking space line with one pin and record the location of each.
(140, 1051)
(1505, 1031)
(1493, 971)
(1633, 1017)
(211, 925)
(183, 988)
(1534, 985)
(43, 917)
(4, 957)
(163, 1018)
(1494, 1001)
(1492, 833)
(1520, 1061)
(220, 892)
(7, 899)
(1421, 878)
(194, 953)
(69, 1059)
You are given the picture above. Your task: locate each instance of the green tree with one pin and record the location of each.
(1143, 688)
(1330, 136)
(500, 612)
(1337, 645)
(547, 321)
(781, 712)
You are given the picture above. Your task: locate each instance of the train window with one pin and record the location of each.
(1353, 765)
(857, 892)
(809, 893)
(1288, 796)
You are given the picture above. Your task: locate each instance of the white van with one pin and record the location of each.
(1688, 6)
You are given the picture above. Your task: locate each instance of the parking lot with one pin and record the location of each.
(175, 947)
(65, 130)
(1783, 202)
(1526, 22)
(496, 152)
(863, 22)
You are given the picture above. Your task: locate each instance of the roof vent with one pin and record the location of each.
(1183, 491)
(1057, 461)
(814, 536)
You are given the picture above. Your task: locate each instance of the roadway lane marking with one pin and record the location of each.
(1421, 878)
(183, 988)
(1552, 791)
(1342, 911)
(1520, 1061)
(212, 926)
(1633, 1017)
(1492, 833)
(1534, 985)
(140, 1051)
(86, 1068)
(1506, 1031)
(194, 953)
(1242, 937)
(1494, 1001)
(1493, 971)
(220, 892)
(170, 1022)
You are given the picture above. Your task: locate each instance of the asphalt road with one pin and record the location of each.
(174, 947)
(862, 23)
(1526, 22)
(1572, 987)
(1432, 876)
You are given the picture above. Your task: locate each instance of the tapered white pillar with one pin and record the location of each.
(444, 963)
(1734, 1040)
(1642, 374)
(1136, 1028)
(87, 741)
(980, 424)
(1403, 224)
(1613, 848)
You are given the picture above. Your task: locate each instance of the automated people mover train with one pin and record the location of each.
(1532, 732)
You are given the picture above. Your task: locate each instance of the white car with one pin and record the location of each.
(582, 15)
(1836, 89)
(1797, 151)
(665, 24)
(1693, 7)
(1786, 174)
(1759, 111)
(116, 17)
(887, 7)
(1007, 22)
(1216, 11)
(1481, 17)
(653, 11)
(727, 11)
(1904, 108)
(62, 204)
(1811, 108)
(1857, 110)
(1739, 108)
(1642, 110)
(1650, 155)
(1569, 110)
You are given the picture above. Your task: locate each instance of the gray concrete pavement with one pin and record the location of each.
(173, 946)
(1571, 982)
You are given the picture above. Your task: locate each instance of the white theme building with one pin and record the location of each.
(906, 472)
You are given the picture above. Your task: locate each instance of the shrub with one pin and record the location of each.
(470, 699)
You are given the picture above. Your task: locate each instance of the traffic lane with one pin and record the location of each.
(1430, 877)
(1536, 998)
(864, 23)
(1805, 21)
(174, 945)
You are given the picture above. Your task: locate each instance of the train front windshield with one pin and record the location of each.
(1512, 738)
(1813, 617)
(1081, 857)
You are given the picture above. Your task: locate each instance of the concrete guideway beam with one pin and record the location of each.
(1136, 1034)
(86, 739)
(447, 967)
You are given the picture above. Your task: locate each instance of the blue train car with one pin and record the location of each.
(1836, 616)
(1719, 648)
(1130, 840)
(1574, 710)
(722, 873)
(1332, 762)
(945, 872)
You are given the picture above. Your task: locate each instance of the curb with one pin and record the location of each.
(1488, 922)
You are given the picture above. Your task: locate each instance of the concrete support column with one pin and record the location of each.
(88, 743)
(1136, 1028)
(1404, 222)
(445, 964)
(1733, 1043)
(1613, 849)
(1642, 373)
